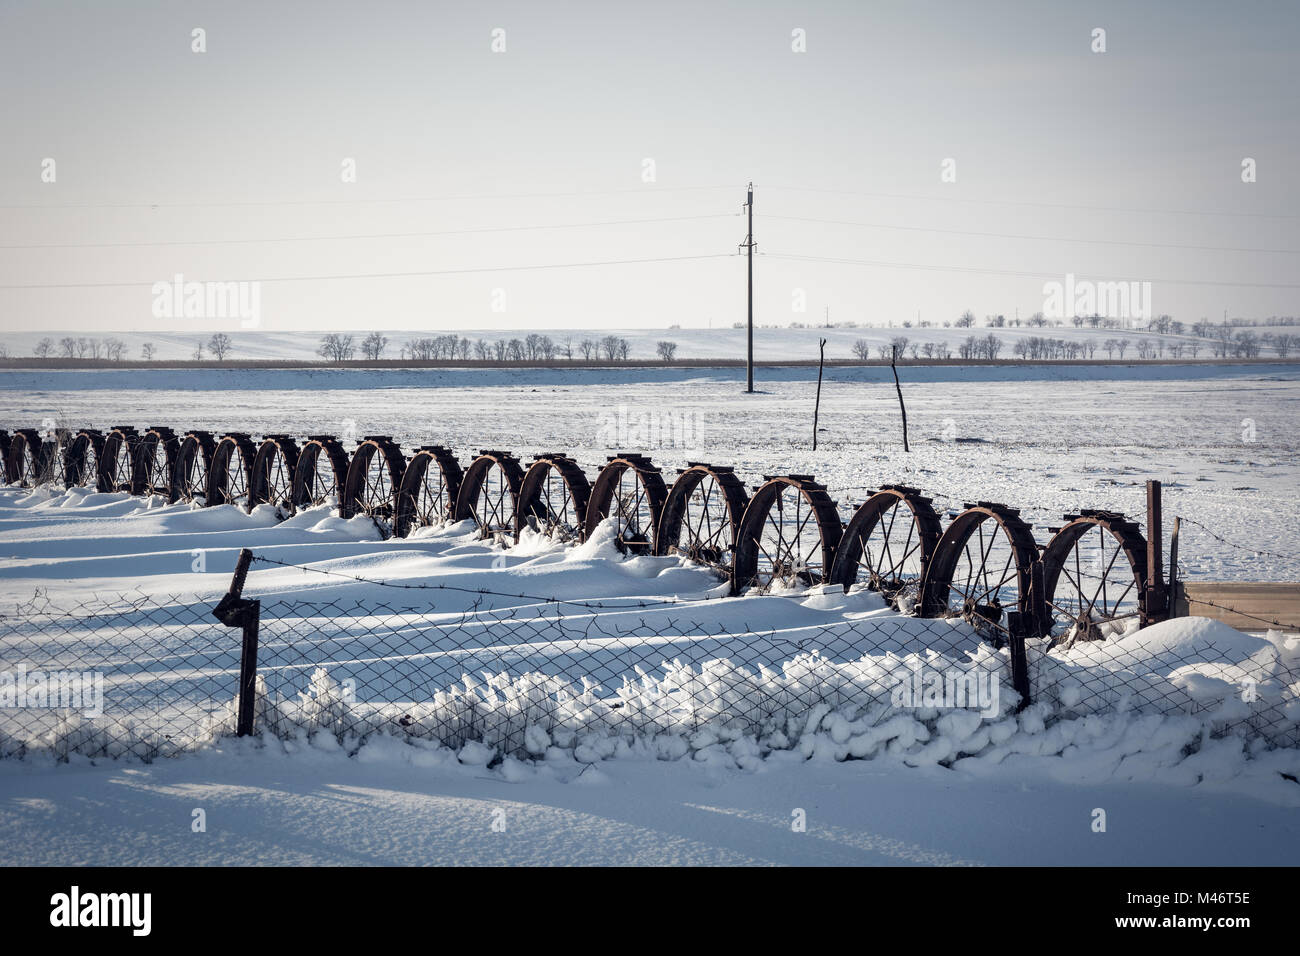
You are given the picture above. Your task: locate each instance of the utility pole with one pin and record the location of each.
(748, 246)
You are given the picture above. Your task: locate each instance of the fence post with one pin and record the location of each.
(1017, 623)
(1174, 599)
(234, 610)
(1157, 601)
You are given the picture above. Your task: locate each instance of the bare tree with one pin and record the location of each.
(862, 349)
(68, 346)
(198, 351)
(666, 350)
(609, 345)
(46, 345)
(966, 320)
(336, 347)
(147, 351)
(220, 345)
(373, 345)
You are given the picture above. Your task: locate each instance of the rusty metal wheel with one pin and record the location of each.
(118, 460)
(787, 536)
(271, 476)
(553, 496)
(631, 490)
(230, 473)
(321, 473)
(193, 465)
(1094, 576)
(888, 543)
(55, 451)
(701, 516)
(23, 462)
(156, 462)
(82, 460)
(428, 491)
(982, 571)
(374, 475)
(489, 493)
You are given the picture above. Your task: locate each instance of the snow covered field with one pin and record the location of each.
(1046, 439)
(936, 787)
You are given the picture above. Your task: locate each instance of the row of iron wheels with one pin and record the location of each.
(985, 566)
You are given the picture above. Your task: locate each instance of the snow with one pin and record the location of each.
(400, 804)
(1151, 725)
(1045, 439)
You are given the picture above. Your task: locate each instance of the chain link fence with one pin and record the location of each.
(113, 675)
(164, 675)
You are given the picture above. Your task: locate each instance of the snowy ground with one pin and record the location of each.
(1175, 789)
(386, 806)
(1044, 439)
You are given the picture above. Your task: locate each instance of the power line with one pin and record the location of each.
(347, 202)
(1006, 235)
(1026, 275)
(374, 235)
(1043, 205)
(384, 275)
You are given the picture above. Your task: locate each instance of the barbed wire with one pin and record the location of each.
(1245, 614)
(633, 604)
(1261, 552)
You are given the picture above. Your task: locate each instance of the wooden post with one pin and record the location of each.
(1157, 605)
(893, 357)
(821, 361)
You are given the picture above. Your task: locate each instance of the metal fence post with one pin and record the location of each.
(234, 611)
(1017, 624)
(1157, 600)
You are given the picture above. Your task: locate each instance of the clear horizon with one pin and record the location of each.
(490, 187)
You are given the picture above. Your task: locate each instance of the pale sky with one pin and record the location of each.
(1052, 144)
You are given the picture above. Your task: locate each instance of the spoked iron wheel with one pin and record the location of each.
(701, 516)
(231, 472)
(158, 452)
(1094, 577)
(888, 543)
(118, 460)
(24, 459)
(631, 490)
(321, 473)
(193, 465)
(374, 475)
(489, 493)
(82, 460)
(54, 456)
(982, 571)
(554, 496)
(428, 491)
(787, 536)
(274, 467)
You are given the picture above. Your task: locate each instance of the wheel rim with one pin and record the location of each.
(1094, 572)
